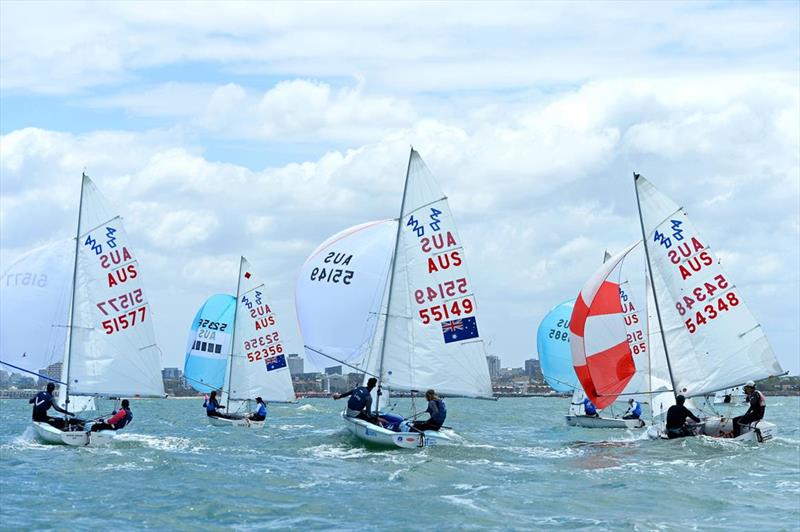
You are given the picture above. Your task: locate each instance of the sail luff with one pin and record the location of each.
(233, 336)
(68, 353)
(650, 270)
(391, 281)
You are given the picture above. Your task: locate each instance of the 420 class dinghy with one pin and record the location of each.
(109, 349)
(235, 346)
(393, 299)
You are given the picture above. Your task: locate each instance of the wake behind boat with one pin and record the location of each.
(403, 313)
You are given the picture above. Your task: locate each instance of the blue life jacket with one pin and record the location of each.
(589, 407)
(262, 410)
(359, 398)
(442, 414)
(42, 403)
(211, 406)
(124, 421)
(637, 411)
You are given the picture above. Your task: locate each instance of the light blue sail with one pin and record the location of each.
(552, 343)
(210, 343)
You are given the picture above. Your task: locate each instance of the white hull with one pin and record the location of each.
(590, 422)
(377, 435)
(716, 427)
(76, 438)
(236, 422)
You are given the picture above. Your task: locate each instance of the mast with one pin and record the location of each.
(72, 301)
(391, 281)
(233, 335)
(653, 284)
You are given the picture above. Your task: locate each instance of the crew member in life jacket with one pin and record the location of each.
(261, 413)
(118, 420)
(360, 403)
(758, 403)
(213, 407)
(42, 402)
(588, 407)
(437, 411)
(634, 410)
(676, 419)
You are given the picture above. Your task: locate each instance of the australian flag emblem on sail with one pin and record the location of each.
(276, 363)
(457, 330)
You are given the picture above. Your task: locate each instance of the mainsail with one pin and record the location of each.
(340, 290)
(210, 343)
(257, 365)
(712, 340)
(552, 344)
(601, 352)
(430, 337)
(112, 347)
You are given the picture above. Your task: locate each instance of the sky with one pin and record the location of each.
(261, 129)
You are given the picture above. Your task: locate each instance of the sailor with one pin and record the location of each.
(42, 402)
(119, 419)
(676, 419)
(755, 412)
(437, 411)
(634, 410)
(360, 403)
(213, 407)
(261, 413)
(589, 408)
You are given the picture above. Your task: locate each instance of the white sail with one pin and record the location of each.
(432, 335)
(340, 290)
(713, 340)
(34, 307)
(257, 366)
(113, 348)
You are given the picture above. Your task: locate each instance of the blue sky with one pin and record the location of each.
(533, 117)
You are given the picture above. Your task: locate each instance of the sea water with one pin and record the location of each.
(516, 465)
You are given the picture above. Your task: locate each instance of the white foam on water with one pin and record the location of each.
(336, 451)
(162, 443)
(307, 408)
(293, 427)
(463, 501)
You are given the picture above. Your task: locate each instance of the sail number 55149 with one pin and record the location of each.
(447, 311)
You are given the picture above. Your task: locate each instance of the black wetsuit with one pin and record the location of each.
(676, 421)
(754, 413)
(438, 412)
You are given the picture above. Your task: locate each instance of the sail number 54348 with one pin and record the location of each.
(711, 311)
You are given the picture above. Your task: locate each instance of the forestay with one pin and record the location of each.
(601, 353)
(340, 289)
(713, 341)
(34, 307)
(113, 347)
(209, 343)
(432, 335)
(257, 362)
(552, 344)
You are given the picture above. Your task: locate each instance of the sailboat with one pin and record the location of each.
(235, 346)
(608, 346)
(399, 307)
(706, 335)
(109, 349)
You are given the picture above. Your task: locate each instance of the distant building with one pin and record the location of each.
(334, 383)
(494, 365)
(333, 370)
(296, 366)
(53, 371)
(354, 379)
(171, 373)
(533, 369)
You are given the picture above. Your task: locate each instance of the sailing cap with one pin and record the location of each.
(751, 384)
